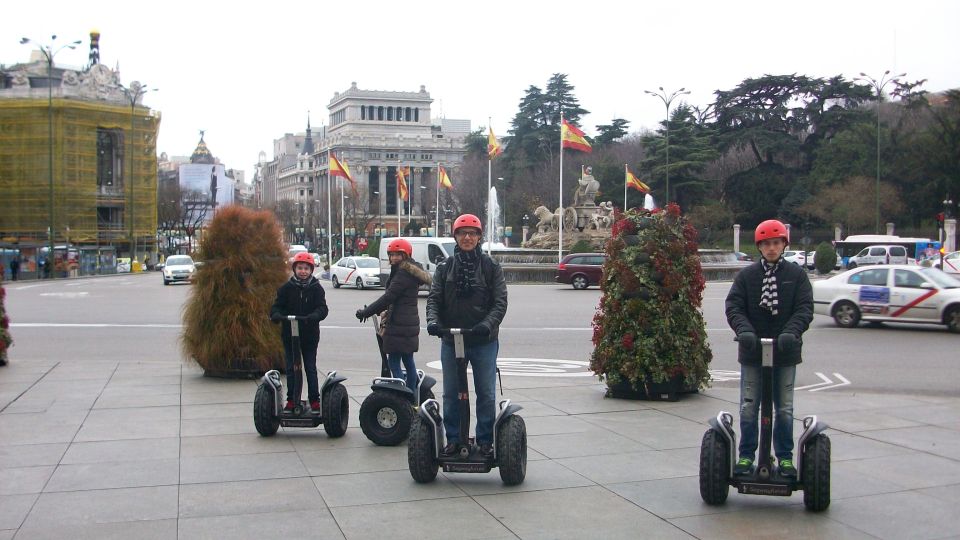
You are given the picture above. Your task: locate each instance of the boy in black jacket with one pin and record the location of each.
(302, 295)
(769, 299)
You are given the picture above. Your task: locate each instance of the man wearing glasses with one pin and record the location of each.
(468, 291)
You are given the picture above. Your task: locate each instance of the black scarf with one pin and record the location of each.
(302, 283)
(465, 270)
(768, 291)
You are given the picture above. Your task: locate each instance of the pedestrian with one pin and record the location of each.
(769, 299)
(400, 320)
(302, 295)
(15, 268)
(468, 292)
(45, 262)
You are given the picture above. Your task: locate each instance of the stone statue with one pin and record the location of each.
(547, 220)
(586, 194)
(603, 218)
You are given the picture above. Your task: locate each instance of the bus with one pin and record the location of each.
(917, 248)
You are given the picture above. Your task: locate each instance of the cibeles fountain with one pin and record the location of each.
(585, 219)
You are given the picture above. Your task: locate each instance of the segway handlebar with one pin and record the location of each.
(455, 331)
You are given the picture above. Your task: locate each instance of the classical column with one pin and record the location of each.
(382, 172)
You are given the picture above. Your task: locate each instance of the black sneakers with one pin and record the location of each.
(449, 450)
(743, 466)
(486, 450)
(787, 468)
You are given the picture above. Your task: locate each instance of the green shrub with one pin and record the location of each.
(826, 258)
(226, 323)
(581, 246)
(648, 327)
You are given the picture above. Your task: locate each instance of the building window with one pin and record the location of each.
(380, 113)
(399, 114)
(373, 155)
(370, 112)
(409, 156)
(408, 113)
(389, 113)
(363, 113)
(301, 193)
(108, 158)
(416, 115)
(311, 193)
(426, 156)
(392, 155)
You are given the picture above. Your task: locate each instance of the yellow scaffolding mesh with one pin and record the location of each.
(78, 202)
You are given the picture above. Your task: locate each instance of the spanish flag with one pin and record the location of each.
(339, 169)
(572, 137)
(444, 179)
(402, 191)
(493, 147)
(635, 183)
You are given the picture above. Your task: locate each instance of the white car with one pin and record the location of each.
(798, 258)
(359, 271)
(951, 263)
(893, 293)
(178, 268)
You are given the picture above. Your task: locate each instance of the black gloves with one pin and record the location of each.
(360, 315)
(433, 329)
(787, 343)
(481, 330)
(748, 341)
(276, 317)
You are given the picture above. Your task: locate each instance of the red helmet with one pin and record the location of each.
(400, 245)
(467, 220)
(771, 228)
(303, 257)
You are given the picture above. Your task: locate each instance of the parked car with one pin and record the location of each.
(293, 250)
(895, 293)
(879, 255)
(741, 256)
(798, 258)
(178, 268)
(951, 263)
(360, 271)
(581, 269)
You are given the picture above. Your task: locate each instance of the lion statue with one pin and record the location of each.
(547, 219)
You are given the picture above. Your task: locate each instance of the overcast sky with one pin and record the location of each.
(247, 75)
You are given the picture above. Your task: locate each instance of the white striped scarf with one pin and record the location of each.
(768, 291)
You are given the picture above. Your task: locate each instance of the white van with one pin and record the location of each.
(879, 255)
(427, 250)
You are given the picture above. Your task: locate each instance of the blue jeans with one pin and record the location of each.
(394, 359)
(295, 377)
(783, 379)
(483, 359)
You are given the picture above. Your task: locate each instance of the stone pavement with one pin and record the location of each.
(146, 450)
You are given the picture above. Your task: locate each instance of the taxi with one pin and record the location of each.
(890, 293)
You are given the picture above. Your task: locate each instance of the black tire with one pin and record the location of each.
(816, 474)
(512, 450)
(335, 281)
(580, 282)
(165, 282)
(385, 418)
(264, 412)
(846, 314)
(420, 452)
(714, 468)
(951, 318)
(360, 284)
(425, 394)
(851, 266)
(336, 410)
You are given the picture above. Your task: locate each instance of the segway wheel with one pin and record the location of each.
(420, 452)
(336, 410)
(714, 468)
(512, 450)
(816, 474)
(385, 418)
(264, 412)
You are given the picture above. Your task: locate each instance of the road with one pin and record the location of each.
(135, 317)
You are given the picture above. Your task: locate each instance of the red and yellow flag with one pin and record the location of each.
(635, 183)
(402, 190)
(493, 147)
(444, 179)
(572, 137)
(339, 169)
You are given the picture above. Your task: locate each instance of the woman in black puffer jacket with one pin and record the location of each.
(398, 305)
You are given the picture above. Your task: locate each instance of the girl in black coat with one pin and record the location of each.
(401, 321)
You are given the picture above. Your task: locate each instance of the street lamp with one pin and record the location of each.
(49, 54)
(666, 101)
(878, 86)
(947, 205)
(134, 93)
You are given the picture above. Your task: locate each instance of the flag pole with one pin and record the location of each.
(343, 240)
(560, 210)
(436, 228)
(329, 213)
(410, 186)
(399, 201)
(489, 226)
(625, 172)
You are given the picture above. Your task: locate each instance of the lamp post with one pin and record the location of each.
(667, 100)
(49, 54)
(878, 86)
(947, 205)
(134, 93)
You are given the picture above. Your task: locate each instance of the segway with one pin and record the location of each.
(718, 453)
(268, 413)
(427, 434)
(387, 412)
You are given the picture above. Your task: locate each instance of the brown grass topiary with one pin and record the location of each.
(226, 324)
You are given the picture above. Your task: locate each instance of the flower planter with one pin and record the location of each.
(650, 391)
(238, 368)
